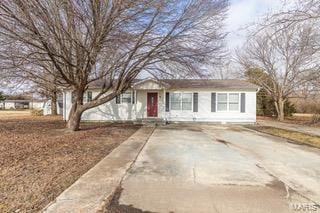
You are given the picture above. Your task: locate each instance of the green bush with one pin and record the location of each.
(265, 105)
(289, 108)
(2, 98)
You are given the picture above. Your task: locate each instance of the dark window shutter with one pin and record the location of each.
(167, 101)
(73, 97)
(195, 102)
(118, 99)
(133, 98)
(89, 96)
(213, 102)
(243, 102)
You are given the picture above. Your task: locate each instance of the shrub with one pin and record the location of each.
(307, 105)
(316, 118)
(265, 105)
(289, 108)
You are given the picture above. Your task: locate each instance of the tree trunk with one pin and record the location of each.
(54, 104)
(75, 113)
(78, 108)
(74, 120)
(279, 104)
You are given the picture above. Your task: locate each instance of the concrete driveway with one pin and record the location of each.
(206, 168)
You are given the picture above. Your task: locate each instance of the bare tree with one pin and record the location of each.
(304, 12)
(38, 79)
(285, 55)
(111, 41)
(225, 70)
(50, 90)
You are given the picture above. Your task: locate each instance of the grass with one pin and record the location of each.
(302, 119)
(294, 136)
(39, 159)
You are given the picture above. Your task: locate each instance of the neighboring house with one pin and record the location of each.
(175, 100)
(37, 104)
(47, 107)
(21, 104)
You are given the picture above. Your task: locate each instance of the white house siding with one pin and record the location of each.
(118, 112)
(37, 105)
(9, 105)
(107, 111)
(126, 112)
(204, 113)
(47, 107)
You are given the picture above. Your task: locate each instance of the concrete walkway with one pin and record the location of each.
(293, 127)
(220, 169)
(91, 192)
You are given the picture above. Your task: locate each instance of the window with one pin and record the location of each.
(175, 100)
(187, 101)
(222, 101)
(233, 102)
(228, 101)
(87, 96)
(181, 101)
(126, 97)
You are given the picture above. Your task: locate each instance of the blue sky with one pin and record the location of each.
(243, 13)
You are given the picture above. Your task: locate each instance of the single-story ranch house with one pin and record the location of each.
(21, 104)
(175, 100)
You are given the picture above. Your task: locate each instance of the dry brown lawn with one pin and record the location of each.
(5, 114)
(39, 158)
(302, 119)
(294, 136)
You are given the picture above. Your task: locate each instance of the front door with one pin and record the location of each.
(152, 104)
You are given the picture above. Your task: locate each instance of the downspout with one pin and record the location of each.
(135, 103)
(258, 90)
(164, 106)
(64, 106)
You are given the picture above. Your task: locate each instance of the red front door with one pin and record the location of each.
(152, 104)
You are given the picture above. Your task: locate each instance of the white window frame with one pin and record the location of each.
(86, 96)
(217, 102)
(121, 97)
(228, 101)
(170, 97)
(191, 102)
(181, 93)
(237, 110)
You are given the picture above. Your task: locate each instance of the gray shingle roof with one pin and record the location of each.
(210, 84)
(198, 84)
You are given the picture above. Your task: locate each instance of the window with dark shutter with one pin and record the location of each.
(195, 102)
(89, 96)
(126, 97)
(213, 102)
(167, 101)
(243, 102)
(133, 97)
